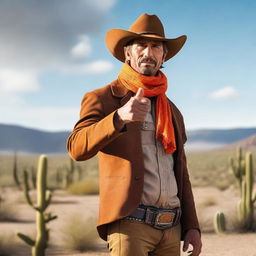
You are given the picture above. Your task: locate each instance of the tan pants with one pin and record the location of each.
(132, 238)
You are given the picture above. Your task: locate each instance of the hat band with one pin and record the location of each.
(149, 33)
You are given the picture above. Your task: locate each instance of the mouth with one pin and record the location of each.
(148, 62)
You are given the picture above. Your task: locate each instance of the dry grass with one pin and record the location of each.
(10, 246)
(79, 233)
(7, 212)
(209, 168)
(85, 187)
(89, 167)
(206, 223)
(209, 201)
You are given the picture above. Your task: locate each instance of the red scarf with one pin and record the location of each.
(153, 86)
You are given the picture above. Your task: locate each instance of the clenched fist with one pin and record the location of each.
(134, 110)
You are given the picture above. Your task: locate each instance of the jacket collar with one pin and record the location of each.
(118, 89)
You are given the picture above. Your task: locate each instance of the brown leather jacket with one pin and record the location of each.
(121, 169)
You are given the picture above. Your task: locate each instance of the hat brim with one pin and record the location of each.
(116, 39)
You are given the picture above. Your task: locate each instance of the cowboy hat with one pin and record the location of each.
(146, 26)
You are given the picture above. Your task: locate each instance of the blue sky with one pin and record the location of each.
(53, 52)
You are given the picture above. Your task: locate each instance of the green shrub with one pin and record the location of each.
(10, 246)
(85, 187)
(7, 212)
(79, 233)
(209, 201)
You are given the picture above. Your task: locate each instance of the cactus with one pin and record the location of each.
(219, 222)
(68, 178)
(43, 200)
(71, 171)
(79, 173)
(243, 171)
(15, 171)
(65, 179)
(33, 177)
(58, 176)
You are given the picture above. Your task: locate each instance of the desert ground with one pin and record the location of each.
(214, 186)
(208, 201)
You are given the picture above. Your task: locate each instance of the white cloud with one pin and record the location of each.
(225, 93)
(44, 117)
(99, 66)
(104, 4)
(44, 36)
(40, 35)
(8, 100)
(83, 48)
(17, 81)
(95, 67)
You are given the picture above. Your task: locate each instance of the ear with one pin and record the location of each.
(164, 56)
(127, 54)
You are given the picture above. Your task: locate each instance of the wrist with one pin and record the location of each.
(118, 122)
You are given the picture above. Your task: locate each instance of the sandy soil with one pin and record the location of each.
(208, 201)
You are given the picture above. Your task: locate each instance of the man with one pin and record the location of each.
(146, 201)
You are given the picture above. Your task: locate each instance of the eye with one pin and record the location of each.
(141, 44)
(156, 45)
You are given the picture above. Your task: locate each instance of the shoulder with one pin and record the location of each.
(102, 92)
(175, 109)
(103, 98)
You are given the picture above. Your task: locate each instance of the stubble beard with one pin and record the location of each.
(148, 71)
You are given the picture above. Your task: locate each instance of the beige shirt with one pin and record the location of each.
(160, 187)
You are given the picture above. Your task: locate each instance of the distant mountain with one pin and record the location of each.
(223, 136)
(247, 144)
(208, 139)
(22, 139)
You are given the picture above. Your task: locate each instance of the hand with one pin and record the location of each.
(193, 237)
(135, 109)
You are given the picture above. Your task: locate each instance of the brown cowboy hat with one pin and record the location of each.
(146, 26)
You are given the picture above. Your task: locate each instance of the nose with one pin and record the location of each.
(148, 52)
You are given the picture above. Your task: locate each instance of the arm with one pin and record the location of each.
(192, 233)
(93, 131)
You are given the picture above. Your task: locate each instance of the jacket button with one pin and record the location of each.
(137, 177)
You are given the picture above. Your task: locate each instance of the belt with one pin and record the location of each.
(157, 217)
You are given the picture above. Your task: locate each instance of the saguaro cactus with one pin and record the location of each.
(15, 171)
(242, 168)
(69, 175)
(43, 200)
(33, 176)
(219, 222)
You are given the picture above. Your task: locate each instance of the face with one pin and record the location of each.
(145, 56)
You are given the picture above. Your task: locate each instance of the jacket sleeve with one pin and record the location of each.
(93, 131)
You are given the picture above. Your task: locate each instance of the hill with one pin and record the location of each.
(28, 140)
(208, 139)
(17, 138)
(247, 144)
(223, 136)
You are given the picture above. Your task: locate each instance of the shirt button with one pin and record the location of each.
(145, 125)
(137, 178)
